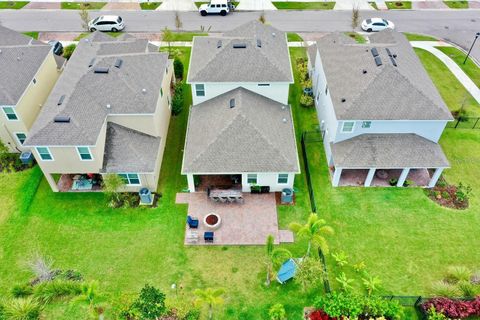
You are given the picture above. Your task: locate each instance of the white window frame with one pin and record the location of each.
(128, 183)
(14, 112)
(199, 90)
(283, 174)
(366, 124)
(250, 176)
(348, 131)
(80, 154)
(18, 140)
(40, 155)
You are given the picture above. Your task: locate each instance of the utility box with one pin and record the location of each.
(146, 197)
(287, 196)
(26, 157)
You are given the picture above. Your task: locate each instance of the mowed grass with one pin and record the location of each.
(13, 4)
(470, 67)
(398, 4)
(149, 5)
(419, 37)
(304, 5)
(356, 36)
(457, 4)
(187, 36)
(31, 34)
(294, 37)
(78, 5)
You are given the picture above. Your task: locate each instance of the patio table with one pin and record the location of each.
(237, 195)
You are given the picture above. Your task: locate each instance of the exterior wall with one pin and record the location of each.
(268, 179)
(277, 91)
(147, 180)
(29, 105)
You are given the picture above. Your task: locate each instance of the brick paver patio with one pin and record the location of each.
(242, 224)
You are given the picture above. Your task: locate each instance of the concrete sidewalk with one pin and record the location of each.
(177, 5)
(451, 65)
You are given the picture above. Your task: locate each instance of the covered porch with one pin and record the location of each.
(76, 182)
(220, 181)
(387, 160)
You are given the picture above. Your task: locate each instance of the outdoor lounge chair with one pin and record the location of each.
(208, 236)
(287, 271)
(192, 222)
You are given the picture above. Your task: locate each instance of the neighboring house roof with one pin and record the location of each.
(20, 59)
(128, 150)
(386, 92)
(256, 135)
(388, 151)
(89, 97)
(264, 57)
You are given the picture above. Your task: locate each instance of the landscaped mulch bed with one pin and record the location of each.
(446, 195)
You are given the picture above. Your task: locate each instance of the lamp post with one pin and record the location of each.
(476, 37)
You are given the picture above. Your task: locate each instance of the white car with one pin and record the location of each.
(106, 23)
(377, 24)
(221, 7)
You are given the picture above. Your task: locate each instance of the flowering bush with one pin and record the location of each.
(319, 315)
(457, 309)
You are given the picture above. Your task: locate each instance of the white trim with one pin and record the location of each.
(14, 111)
(16, 137)
(343, 126)
(80, 155)
(49, 152)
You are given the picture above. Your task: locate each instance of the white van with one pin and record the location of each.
(221, 7)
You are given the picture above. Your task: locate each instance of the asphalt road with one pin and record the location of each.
(458, 27)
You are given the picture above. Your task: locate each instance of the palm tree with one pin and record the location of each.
(313, 231)
(274, 256)
(210, 297)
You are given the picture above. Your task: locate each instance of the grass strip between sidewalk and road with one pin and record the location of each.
(13, 4)
(398, 4)
(419, 37)
(471, 69)
(78, 5)
(284, 5)
(457, 4)
(149, 5)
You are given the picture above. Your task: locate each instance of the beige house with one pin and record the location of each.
(108, 113)
(29, 70)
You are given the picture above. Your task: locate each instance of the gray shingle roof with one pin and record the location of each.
(405, 92)
(127, 150)
(214, 59)
(87, 93)
(257, 135)
(20, 59)
(388, 151)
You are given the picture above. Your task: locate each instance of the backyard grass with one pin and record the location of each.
(419, 37)
(13, 4)
(470, 67)
(149, 5)
(452, 91)
(357, 37)
(457, 4)
(293, 37)
(78, 5)
(32, 34)
(304, 5)
(398, 4)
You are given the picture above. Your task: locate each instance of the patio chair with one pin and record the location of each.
(192, 222)
(223, 199)
(215, 199)
(231, 199)
(208, 236)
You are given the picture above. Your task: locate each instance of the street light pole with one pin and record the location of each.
(476, 37)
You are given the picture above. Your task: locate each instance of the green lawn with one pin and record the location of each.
(304, 5)
(457, 4)
(293, 37)
(77, 5)
(187, 36)
(399, 4)
(149, 5)
(199, 3)
(452, 91)
(13, 4)
(357, 37)
(470, 67)
(85, 34)
(419, 37)
(32, 34)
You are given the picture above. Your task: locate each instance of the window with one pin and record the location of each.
(282, 178)
(252, 178)
(161, 92)
(21, 137)
(348, 126)
(130, 179)
(326, 90)
(44, 154)
(264, 84)
(84, 153)
(200, 90)
(10, 113)
(366, 124)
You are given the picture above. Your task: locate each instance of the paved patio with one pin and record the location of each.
(356, 177)
(242, 224)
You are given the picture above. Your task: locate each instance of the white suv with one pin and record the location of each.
(106, 23)
(221, 7)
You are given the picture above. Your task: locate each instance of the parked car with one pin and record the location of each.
(57, 47)
(222, 7)
(106, 23)
(377, 24)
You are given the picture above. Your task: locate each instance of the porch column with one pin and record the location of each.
(435, 177)
(336, 176)
(370, 175)
(403, 177)
(51, 182)
(191, 182)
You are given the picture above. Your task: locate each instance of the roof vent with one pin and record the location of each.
(259, 43)
(374, 52)
(60, 101)
(378, 61)
(219, 44)
(273, 34)
(284, 120)
(108, 106)
(91, 63)
(118, 63)
(61, 119)
(232, 103)
(18, 58)
(101, 70)
(144, 90)
(364, 71)
(343, 99)
(239, 45)
(0, 50)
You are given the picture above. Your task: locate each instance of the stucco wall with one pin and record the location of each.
(268, 179)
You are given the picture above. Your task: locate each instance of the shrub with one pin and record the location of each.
(432, 314)
(408, 183)
(71, 275)
(341, 258)
(68, 51)
(463, 192)
(150, 303)
(319, 315)
(457, 273)
(178, 68)
(21, 290)
(22, 309)
(445, 289)
(42, 268)
(306, 100)
(445, 195)
(177, 100)
(467, 289)
(48, 291)
(455, 309)
(393, 182)
(193, 314)
(359, 267)
(277, 312)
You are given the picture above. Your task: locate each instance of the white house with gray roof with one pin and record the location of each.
(380, 114)
(108, 113)
(28, 72)
(240, 128)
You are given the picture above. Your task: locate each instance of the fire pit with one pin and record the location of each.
(212, 221)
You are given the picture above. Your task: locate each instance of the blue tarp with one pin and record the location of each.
(287, 271)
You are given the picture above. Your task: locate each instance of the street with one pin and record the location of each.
(458, 27)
